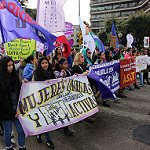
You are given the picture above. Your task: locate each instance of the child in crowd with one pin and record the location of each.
(61, 71)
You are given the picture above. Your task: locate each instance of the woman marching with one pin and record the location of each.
(44, 72)
(61, 71)
(9, 96)
(79, 67)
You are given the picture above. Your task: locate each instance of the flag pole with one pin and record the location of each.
(79, 15)
(79, 7)
(34, 55)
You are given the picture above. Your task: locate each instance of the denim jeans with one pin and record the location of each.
(141, 78)
(47, 135)
(7, 125)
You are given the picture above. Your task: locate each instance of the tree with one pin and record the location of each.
(139, 25)
(103, 36)
(31, 12)
(23, 3)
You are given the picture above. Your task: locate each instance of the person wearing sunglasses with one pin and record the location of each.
(87, 57)
(78, 67)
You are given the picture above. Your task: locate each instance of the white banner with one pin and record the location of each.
(50, 15)
(46, 106)
(148, 61)
(141, 63)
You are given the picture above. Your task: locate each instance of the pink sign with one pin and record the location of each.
(69, 29)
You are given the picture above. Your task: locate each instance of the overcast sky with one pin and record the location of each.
(71, 9)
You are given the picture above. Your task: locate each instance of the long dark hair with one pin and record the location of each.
(56, 52)
(8, 81)
(108, 58)
(30, 58)
(60, 62)
(41, 74)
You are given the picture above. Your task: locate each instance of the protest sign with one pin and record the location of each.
(128, 72)
(40, 47)
(16, 23)
(46, 106)
(146, 42)
(141, 63)
(107, 77)
(148, 61)
(69, 29)
(113, 41)
(20, 48)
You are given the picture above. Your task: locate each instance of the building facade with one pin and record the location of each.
(100, 9)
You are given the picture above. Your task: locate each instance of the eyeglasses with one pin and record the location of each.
(82, 56)
(89, 52)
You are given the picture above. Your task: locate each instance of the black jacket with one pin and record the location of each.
(6, 110)
(78, 69)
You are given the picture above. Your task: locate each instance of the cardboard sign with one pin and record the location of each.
(113, 41)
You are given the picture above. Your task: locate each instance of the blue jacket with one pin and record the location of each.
(27, 73)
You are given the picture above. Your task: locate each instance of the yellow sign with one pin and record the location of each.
(80, 35)
(20, 48)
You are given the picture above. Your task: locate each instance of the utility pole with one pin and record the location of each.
(79, 7)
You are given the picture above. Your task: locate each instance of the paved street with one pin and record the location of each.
(123, 126)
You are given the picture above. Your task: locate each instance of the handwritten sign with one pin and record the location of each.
(20, 48)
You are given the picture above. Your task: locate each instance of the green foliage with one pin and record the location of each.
(103, 36)
(138, 24)
(31, 12)
(23, 3)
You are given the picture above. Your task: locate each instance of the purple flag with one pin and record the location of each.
(106, 76)
(16, 23)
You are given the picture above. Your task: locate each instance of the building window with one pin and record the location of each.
(116, 6)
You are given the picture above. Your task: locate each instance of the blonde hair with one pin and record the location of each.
(76, 59)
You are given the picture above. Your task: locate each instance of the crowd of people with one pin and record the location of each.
(44, 68)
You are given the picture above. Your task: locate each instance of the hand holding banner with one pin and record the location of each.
(47, 106)
(128, 72)
(107, 77)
